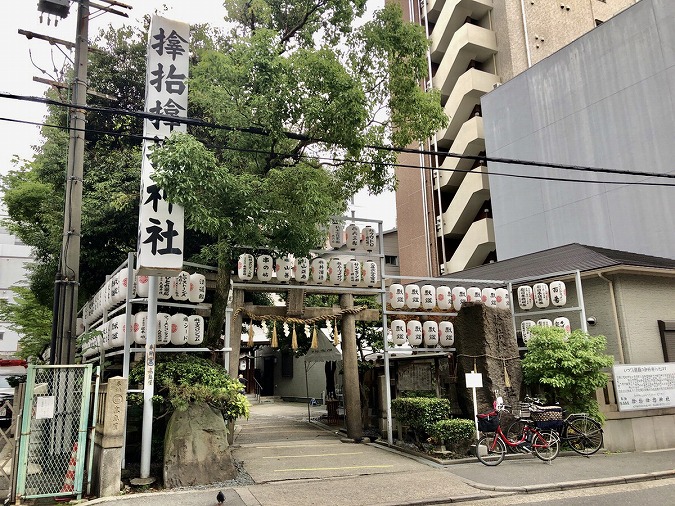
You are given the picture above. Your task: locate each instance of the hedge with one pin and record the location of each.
(420, 413)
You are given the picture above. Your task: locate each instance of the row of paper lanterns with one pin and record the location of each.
(542, 295)
(338, 271)
(178, 329)
(429, 333)
(352, 237)
(413, 296)
(184, 287)
(560, 322)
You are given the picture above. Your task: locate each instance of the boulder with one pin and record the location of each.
(196, 451)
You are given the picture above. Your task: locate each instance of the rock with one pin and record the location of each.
(196, 451)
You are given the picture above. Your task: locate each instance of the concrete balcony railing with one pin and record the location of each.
(469, 43)
(476, 245)
(466, 94)
(451, 18)
(434, 8)
(466, 203)
(469, 141)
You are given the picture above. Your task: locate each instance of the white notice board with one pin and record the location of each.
(645, 386)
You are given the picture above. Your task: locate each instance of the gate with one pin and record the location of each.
(54, 431)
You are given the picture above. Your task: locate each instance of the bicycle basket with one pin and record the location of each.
(546, 417)
(488, 422)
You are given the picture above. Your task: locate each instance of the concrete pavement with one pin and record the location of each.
(291, 461)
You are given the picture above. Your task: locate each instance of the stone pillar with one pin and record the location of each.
(350, 386)
(235, 332)
(109, 440)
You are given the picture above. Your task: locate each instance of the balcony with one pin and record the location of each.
(469, 43)
(477, 244)
(434, 8)
(469, 141)
(451, 18)
(467, 202)
(466, 94)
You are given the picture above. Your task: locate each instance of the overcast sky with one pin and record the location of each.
(23, 59)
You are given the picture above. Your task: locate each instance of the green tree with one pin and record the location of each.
(310, 107)
(570, 368)
(31, 320)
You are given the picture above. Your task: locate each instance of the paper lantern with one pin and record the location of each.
(140, 329)
(446, 334)
(179, 329)
(413, 296)
(197, 288)
(336, 234)
(430, 333)
(195, 329)
(525, 326)
(398, 332)
(414, 332)
(353, 273)
(544, 322)
(163, 328)
(283, 266)
(115, 292)
(563, 323)
(319, 271)
(165, 287)
(369, 274)
(474, 294)
(336, 271)
(264, 268)
(525, 297)
(558, 293)
(444, 297)
(105, 338)
(502, 298)
(428, 296)
(489, 297)
(458, 297)
(79, 326)
(301, 269)
(181, 287)
(353, 236)
(107, 297)
(396, 295)
(142, 286)
(117, 331)
(369, 238)
(245, 267)
(541, 295)
(123, 277)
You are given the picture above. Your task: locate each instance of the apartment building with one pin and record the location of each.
(445, 213)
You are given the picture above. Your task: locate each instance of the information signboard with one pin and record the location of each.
(645, 386)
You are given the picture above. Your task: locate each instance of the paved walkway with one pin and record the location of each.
(293, 462)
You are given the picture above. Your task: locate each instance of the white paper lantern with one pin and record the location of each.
(502, 298)
(446, 334)
(489, 297)
(428, 296)
(245, 267)
(163, 328)
(283, 266)
(353, 236)
(369, 274)
(140, 327)
(107, 294)
(336, 234)
(413, 296)
(458, 297)
(474, 294)
(79, 325)
(353, 272)
(444, 297)
(117, 331)
(396, 295)
(105, 338)
(142, 286)
(336, 271)
(558, 293)
(430, 333)
(179, 329)
(525, 327)
(165, 287)
(369, 238)
(319, 271)
(123, 277)
(563, 323)
(195, 329)
(414, 332)
(115, 290)
(544, 322)
(525, 297)
(398, 332)
(541, 295)
(301, 269)
(197, 288)
(181, 286)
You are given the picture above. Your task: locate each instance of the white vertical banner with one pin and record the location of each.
(160, 224)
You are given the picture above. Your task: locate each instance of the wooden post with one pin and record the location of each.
(350, 387)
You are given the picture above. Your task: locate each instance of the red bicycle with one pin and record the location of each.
(491, 448)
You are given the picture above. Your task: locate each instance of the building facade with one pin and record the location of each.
(445, 211)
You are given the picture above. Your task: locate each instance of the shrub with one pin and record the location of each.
(454, 432)
(420, 413)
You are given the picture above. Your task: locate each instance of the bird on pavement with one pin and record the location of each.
(220, 498)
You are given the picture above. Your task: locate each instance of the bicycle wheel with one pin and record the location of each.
(584, 435)
(514, 433)
(546, 445)
(490, 450)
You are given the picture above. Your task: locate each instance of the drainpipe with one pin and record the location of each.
(527, 40)
(616, 317)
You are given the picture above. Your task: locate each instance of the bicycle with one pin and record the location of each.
(490, 449)
(579, 431)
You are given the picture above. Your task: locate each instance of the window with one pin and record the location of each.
(2, 335)
(390, 260)
(667, 331)
(286, 364)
